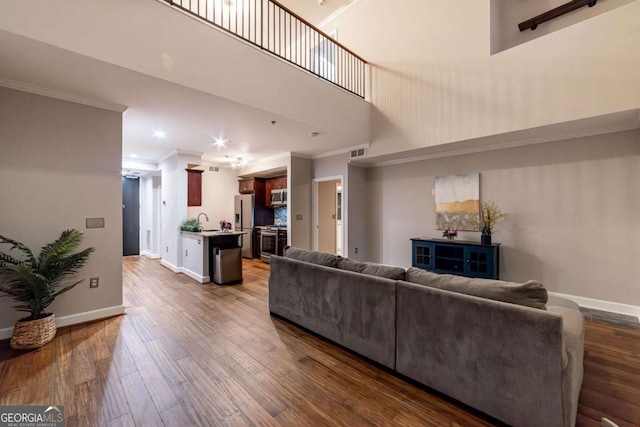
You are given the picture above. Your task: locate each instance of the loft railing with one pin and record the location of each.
(272, 27)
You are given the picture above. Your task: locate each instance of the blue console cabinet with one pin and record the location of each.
(471, 259)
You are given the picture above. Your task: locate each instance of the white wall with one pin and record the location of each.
(300, 202)
(60, 164)
(174, 206)
(359, 226)
(218, 191)
(434, 80)
(573, 212)
(507, 14)
(150, 208)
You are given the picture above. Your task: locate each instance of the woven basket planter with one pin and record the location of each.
(33, 333)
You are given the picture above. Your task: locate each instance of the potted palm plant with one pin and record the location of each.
(34, 283)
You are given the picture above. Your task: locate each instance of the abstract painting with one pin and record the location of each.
(458, 201)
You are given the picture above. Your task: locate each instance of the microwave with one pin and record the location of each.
(278, 197)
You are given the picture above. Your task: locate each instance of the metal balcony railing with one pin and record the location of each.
(273, 28)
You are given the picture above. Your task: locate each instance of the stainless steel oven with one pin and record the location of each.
(268, 244)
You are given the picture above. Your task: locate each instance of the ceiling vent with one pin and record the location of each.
(356, 154)
(214, 169)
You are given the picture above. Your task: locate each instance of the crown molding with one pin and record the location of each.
(340, 151)
(581, 133)
(337, 13)
(64, 96)
(178, 152)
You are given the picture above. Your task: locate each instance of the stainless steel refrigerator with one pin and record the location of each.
(244, 218)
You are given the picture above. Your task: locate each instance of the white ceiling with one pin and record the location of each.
(190, 118)
(312, 10)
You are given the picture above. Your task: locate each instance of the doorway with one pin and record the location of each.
(130, 216)
(328, 216)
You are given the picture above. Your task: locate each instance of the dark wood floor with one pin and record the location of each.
(191, 354)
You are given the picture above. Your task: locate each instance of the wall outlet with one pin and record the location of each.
(299, 217)
(167, 249)
(355, 250)
(94, 282)
(94, 222)
(186, 252)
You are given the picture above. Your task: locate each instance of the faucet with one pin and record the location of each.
(205, 215)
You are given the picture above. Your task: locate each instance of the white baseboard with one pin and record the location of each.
(74, 319)
(195, 276)
(614, 307)
(150, 255)
(170, 266)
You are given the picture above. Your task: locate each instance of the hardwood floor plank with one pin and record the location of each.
(202, 354)
(141, 406)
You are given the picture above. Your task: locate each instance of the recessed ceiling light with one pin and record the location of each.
(133, 155)
(160, 134)
(220, 143)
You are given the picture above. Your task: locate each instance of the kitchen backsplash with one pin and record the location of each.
(280, 215)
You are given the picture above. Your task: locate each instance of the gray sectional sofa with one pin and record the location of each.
(506, 349)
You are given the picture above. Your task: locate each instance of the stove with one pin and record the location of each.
(269, 241)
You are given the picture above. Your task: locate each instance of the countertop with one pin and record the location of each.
(215, 233)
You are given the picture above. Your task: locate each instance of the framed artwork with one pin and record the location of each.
(458, 201)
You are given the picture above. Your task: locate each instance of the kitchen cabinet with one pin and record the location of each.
(194, 187)
(257, 232)
(282, 241)
(278, 183)
(470, 259)
(247, 186)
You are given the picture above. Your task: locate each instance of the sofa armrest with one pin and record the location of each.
(573, 357)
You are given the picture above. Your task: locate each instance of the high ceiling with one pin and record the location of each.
(192, 120)
(312, 10)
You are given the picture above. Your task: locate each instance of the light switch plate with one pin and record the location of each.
(94, 282)
(95, 222)
(299, 217)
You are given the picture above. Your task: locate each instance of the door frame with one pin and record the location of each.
(314, 207)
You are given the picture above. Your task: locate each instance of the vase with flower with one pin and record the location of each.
(225, 226)
(490, 214)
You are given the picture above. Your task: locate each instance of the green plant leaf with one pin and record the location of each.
(33, 283)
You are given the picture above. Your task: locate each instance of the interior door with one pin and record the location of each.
(130, 216)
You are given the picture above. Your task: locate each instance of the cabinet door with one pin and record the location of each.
(246, 187)
(282, 241)
(480, 262)
(268, 188)
(422, 255)
(194, 187)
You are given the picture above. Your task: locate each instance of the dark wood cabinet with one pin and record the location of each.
(279, 183)
(247, 186)
(257, 233)
(268, 187)
(282, 241)
(194, 187)
(463, 258)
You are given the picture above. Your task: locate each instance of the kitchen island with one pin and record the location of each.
(212, 256)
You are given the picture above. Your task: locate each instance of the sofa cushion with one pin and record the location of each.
(313, 257)
(372, 269)
(530, 294)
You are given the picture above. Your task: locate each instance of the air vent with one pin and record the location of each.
(214, 169)
(360, 152)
